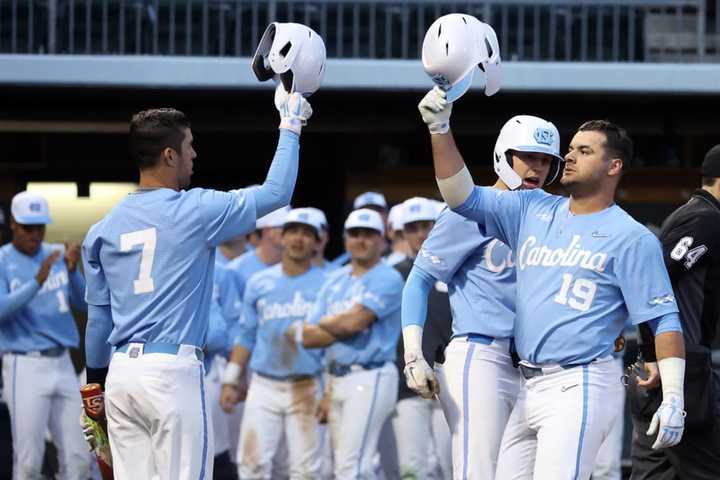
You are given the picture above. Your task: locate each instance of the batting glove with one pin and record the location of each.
(419, 377)
(669, 423)
(435, 111)
(294, 109)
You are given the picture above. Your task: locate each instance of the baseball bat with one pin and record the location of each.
(94, 406)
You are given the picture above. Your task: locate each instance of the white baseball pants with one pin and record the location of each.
(158, 420)
(608, 463)
(478, 388)
(43, 393)
(361, 402)
(559, 422)
(220, 420)
(274, 408)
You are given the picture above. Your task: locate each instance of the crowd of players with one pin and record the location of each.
(291, 365)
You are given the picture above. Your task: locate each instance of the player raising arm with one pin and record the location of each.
(583, 267)
(149, 266)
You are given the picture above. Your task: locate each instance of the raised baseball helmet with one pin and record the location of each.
(293, 55)
(525, 133)
(454, 46)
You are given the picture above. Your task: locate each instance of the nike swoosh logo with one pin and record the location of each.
(568, 387)
(599, 235)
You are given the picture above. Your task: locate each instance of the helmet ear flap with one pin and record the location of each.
(287, 80)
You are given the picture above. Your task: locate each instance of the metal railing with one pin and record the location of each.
(529, 30)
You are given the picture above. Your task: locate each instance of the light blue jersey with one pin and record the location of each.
(579, 277)
(244, 267)
(224, 313)
(379, 290)
(34, 317)
(152, 260)
(220, 258)
(272, 302)
(479, 273)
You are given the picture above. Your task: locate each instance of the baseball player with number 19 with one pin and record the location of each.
(149, 266)
(583, 267)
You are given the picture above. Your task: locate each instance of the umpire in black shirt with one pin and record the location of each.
(690, 238)
(414, 413)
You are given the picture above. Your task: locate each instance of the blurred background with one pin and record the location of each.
(72, 72)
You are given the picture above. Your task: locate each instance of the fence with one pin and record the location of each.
(529, 30)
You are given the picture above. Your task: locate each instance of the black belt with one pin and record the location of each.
(286, 378)
(342, 370)
(532, 372)
(50, 352)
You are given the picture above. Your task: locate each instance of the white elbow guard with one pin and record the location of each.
(456, 189)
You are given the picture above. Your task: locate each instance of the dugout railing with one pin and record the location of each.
(529, 30)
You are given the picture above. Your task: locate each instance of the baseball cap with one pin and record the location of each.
(395, 217)
(29, 208)
(304, 216)
(370, 198)
(365, 218)
(711, 164)
(274, 219)
(418, 209)
(320, 216)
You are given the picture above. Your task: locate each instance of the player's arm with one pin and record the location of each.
(348, 323)
(310, 335)
(234, 380)
(97, 349)
(76, 280)
(12, 301)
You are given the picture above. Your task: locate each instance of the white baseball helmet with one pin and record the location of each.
(292, 54)
(525, 133)
(454, 46)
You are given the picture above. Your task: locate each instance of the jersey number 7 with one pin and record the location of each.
(148, 239)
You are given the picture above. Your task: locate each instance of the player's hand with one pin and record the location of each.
(294, 109)
(653, 376)
(229, 397)
(45, 267)
(419, 376)
(88, 431)
(72, 256)
(435, 110)
(668, 422)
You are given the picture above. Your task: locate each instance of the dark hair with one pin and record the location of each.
(151, 131)
(617, 142)
(709, 181)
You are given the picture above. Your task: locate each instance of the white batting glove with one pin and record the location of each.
(420, 378)
(294, 109)
(435, 111)
(669, 423)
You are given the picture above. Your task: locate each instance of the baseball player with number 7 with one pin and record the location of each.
(583, 267)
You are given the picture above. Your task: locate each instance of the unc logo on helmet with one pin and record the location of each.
(415, 208)
(364, 217)
(544, 136)
(303, 216)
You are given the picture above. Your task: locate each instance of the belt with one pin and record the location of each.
(532, 372)
(286, 378)
(50, 352)
(476, 338)
(342, 370)
(133, 349)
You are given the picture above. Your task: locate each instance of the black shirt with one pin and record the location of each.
(690, 238)
(437, 331)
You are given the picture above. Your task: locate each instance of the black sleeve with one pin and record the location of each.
(690, 242)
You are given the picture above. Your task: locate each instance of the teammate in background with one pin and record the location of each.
(230, 250)
(583, 267)
(398, 245)
(373, 201)
(39, 282)
(149, 266)
(285, 388)
(480, 277)
(357, 319)
(690, 238)
(422, 434)
(319, 259)
(224, 313)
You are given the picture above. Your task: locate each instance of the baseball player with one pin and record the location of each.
(230, 250)
(149, 265)
(285, 389)
(691, 241)
(357, 319)
(319, 259)
(398, 245)
(583, 267)
(479, 272)
(373, 201)
(39, 282)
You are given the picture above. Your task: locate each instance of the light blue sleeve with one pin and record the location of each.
(383, 293)
(277, 190)
(11, 302)
(669, 322)
(98, 328)
(499, 213)
(247, 329)
(320, 306)
(77, 290)
(415, 298)
(451, 241)
(216, 342)
(230, 301)
(644, 281)
(96, 288)
(226, 214)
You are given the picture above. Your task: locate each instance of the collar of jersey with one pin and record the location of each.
(705, 195)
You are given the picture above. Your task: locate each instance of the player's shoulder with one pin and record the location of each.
(630, 229)
(384, 272)
(239, 262)
(266, 278)
(6, 252)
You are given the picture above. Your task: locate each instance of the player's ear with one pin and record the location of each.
(168, 157)
(616, 167)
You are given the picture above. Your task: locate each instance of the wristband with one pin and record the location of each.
(231, 375)
(299, 326)
(672, 376)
